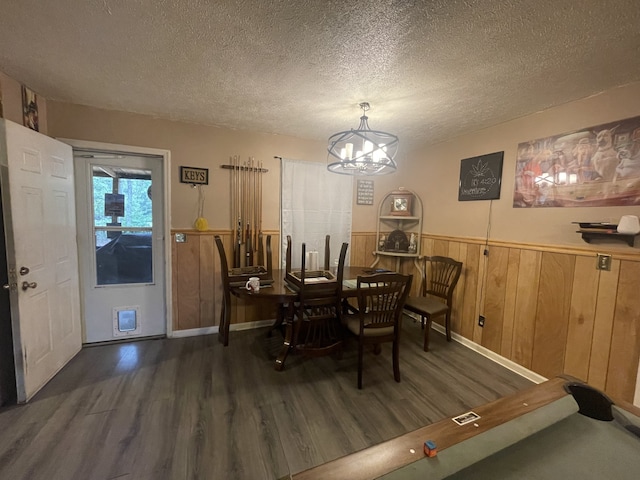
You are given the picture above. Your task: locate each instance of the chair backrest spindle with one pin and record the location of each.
(440, 276)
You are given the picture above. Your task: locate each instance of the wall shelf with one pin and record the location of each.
(399, 217)
(593, 234)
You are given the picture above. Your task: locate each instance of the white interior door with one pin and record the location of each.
(40, 226)
(120, 209)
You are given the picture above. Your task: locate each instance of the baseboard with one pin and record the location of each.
(234, 327)
(499, 359)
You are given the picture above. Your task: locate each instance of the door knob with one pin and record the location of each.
(24, 271)
(28, 285)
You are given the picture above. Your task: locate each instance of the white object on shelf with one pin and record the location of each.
(629, 225)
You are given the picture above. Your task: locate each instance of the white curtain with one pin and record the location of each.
(314, 203)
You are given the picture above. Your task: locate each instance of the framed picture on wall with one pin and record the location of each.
(401, 204)
(30, 109)
(480, 177)
(596, 166)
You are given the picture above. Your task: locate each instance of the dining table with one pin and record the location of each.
(281, 293)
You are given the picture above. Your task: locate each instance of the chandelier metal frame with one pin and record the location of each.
(362, 151)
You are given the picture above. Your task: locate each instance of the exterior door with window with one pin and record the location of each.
(120, 231)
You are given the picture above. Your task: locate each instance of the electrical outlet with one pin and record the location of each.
(604, 262)
(481, 320)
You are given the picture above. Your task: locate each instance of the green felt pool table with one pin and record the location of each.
(535, 434)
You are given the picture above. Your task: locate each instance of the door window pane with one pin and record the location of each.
(127, 258)
(133, 189)
(122, 211)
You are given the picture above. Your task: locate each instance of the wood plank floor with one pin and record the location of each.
(191, 409)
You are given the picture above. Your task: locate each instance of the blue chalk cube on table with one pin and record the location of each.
(430, 449)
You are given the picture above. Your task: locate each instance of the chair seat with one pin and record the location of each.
(353, 324)
(426, 305)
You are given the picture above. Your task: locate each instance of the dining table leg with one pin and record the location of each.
(289, 336)
(281, 310)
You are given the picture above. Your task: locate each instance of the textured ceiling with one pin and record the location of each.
(430, 69)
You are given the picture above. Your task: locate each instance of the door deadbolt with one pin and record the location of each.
(24, 271)
(28, 285)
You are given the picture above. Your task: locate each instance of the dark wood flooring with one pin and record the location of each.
(192, 409)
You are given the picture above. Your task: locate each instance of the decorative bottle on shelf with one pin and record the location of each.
(413, 247)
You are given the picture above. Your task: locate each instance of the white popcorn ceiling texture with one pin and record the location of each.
(431, 70)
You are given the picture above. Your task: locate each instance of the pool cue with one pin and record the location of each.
(238, 253)
(259, 203)
(234, 213)
(255, 207)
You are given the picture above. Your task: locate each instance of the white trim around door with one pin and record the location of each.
(166, 156)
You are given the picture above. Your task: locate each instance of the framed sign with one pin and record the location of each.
(480, 177)
(113, 205)
(365, 192)
(194, 176)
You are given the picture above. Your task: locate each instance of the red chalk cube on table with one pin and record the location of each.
(430, 449)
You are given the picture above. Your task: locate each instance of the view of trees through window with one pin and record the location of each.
(137, 205)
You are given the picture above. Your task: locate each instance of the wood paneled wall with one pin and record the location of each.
(196, 283)
(546, 308)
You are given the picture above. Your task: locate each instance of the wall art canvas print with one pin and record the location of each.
(30, 109)
(596, 166)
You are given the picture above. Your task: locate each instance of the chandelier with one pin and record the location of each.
(362, 151)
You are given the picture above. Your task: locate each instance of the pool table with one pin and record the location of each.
(536, 433)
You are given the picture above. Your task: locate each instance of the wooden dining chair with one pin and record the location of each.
(225, 312)
(264, 245)
(327, 252)
(287, 255)
(317, 327)
(440, 276)
(379, 317)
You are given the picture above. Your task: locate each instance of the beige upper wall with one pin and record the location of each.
(433, 172)
(194, 146)
(11, 93)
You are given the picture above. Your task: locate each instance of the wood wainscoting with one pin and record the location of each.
(546, 308)
(196, 285)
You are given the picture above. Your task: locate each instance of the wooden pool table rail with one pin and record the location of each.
(388, 456)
